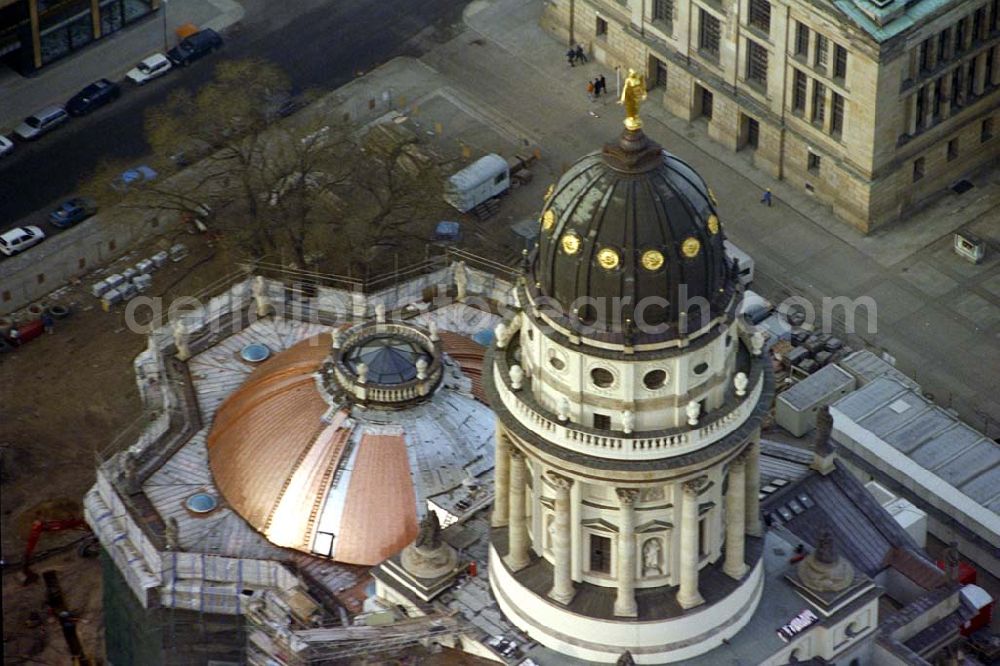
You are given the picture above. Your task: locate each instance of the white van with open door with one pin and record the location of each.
(744, 263)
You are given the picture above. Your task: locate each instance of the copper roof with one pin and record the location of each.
(266, 428)
(380, 512)
(469, 355)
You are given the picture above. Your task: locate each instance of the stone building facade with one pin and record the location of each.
(873, 107)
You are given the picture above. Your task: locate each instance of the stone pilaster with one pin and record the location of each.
(928, 92)
(995, 74)
(687, 593)
(625, 601)
(517, 554)
(501, 478)
(753, 522)
(735, 565)
(946, 96)
(562, 576)
(979, 82)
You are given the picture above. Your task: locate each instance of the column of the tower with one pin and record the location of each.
(562, 578)
(735, 565)
(753, 487)
(517, 554)
(687, 594)
(501, 479)
(625, 601)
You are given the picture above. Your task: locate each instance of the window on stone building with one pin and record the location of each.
(663, 10)
(986, 131)
(756, 63)
(602, 421)
(837, 115)
(995, 13)
(938, 97)
(839, 62)
(659, 69)
(920, 108)
(702, 538)
(822, 46)
(708, 33)
(990, 57)
(970, 81)
(918, 169)
(600, 554)
(923, 55)
(819, 102)
(707, 101)
(801, 39)
(753, 140)
(943, 40)
(978, 21)
(760, 15)
(602, 28)
(952, 149)
(814, 162)
(956, 84)
(799, 91)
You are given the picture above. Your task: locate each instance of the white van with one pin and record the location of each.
(487, 177)
(744, 262)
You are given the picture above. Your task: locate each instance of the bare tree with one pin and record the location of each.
(304, 189)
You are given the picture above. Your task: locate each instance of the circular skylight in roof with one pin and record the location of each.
(390, 359)
(201, 503)
(255, 353)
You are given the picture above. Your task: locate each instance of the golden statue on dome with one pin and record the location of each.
(633, 95)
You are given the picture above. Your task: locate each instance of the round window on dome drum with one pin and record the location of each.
(602, 377)
(655, 379)
(701, 368)
(557, 363)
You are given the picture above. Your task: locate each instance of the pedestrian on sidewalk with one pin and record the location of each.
(571, 56)
(580, 55)
(767, 197)
(15, 336)
(47, 323)
(604, 85)
(597, 88)
(590, 90)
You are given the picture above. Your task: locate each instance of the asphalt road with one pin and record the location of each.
(322, 48)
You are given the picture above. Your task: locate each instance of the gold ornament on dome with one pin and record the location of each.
(608, 259)
(548, 219)
(713, 224)
(548, 192)
(570, 243)
(652, 260)
(632, 97)
(690, 247)
(711, 197)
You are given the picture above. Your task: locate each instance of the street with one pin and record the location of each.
(322, 48)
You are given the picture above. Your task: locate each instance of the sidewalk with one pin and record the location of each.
(110, 57)
(936, 314)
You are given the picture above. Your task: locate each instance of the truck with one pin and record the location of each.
(487, 177)
(744, 262)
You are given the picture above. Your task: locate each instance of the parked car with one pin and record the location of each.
(6, 145)
(196, 46)
(93, 97)
(41, 122)
(72, 211)
(755, 308)
(20, 239)
(152, 67)
(139, 174)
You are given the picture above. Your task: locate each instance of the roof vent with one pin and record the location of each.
(899, 406)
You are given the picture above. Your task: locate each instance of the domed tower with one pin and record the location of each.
(628, 419)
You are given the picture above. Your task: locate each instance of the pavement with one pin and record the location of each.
(937, 315)
(110, 57)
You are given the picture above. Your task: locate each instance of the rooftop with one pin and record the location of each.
(928, 446)
(885, 19)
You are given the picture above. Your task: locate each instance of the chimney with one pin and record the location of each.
(823, 454)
